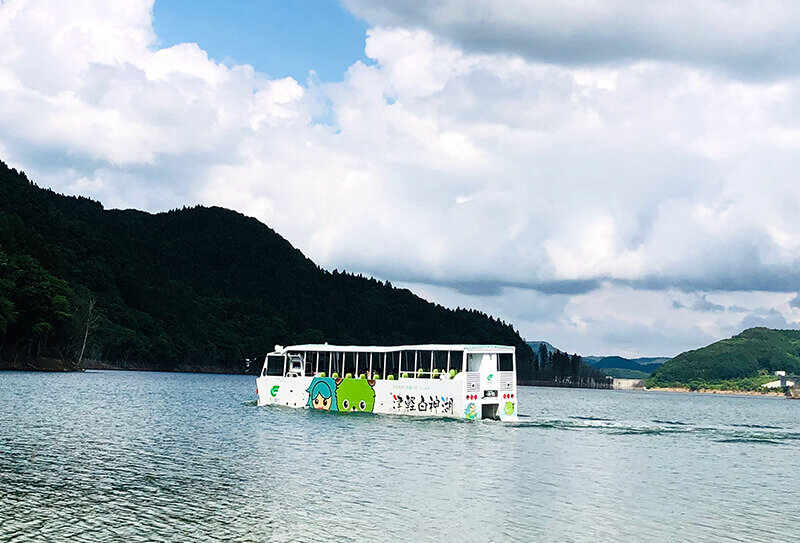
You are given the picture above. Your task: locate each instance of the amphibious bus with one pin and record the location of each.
(459, 381)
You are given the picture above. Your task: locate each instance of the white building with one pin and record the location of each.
(783, 382)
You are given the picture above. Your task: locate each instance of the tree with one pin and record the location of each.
(575, 363)
(543, 360)
(91, 320)
(39, 301)
(7, 313)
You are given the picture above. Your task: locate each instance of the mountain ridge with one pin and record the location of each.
(743, 360)
(193, 289)
(644, 364)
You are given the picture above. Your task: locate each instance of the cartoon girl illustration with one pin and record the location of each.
(470, 413)
(322, 394)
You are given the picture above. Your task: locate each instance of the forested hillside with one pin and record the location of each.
(196, 289)
(551, 365)
(744, 361)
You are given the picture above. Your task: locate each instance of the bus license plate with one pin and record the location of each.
(490, 394)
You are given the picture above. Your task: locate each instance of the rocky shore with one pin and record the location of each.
(766, 392)
(40, 363)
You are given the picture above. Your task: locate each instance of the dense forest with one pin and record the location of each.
(743, 362)
(196, 289)
(551, 365)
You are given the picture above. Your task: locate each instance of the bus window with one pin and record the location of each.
(424, 361)
(349, 364)
(363, 364)
(308, 362)
(294, 366)
(392, 364)
(336, 364)
(275, 364)
(377, 365)
(407, 362)
(474, 361)
(324, 363)
(457, 360)
(440, 361)
(505, 362)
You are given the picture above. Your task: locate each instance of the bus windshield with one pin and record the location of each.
(274, 365)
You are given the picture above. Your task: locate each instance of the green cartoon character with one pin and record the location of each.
(355, 395)
(470, 413)
(509, 408)
(322, 394)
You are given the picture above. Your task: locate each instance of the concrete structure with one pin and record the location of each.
(784, 381)
(628, 384)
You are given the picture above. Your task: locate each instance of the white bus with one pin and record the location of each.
(459, 381)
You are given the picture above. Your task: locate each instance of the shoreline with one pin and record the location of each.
(56, 365)
(94, 365)
(778, 393)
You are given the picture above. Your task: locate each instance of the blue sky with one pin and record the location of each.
(279, 38)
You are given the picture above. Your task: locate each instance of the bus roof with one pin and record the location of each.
(384, 349)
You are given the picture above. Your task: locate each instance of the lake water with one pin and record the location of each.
(121, 456)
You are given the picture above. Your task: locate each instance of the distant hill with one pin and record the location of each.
(755, 353)
(195, 289)
(622, 373)
(614, 366)
(646, 365)
(534, 345)
(552, 365)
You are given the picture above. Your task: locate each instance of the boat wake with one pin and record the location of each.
(735, 433)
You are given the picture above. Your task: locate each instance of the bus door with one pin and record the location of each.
(483, 384)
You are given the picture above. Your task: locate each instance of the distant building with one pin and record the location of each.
(627, 384)
(784, 381)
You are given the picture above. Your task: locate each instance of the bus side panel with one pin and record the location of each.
(286, 391)
(409, 396)
(507, 395)
(422, 397)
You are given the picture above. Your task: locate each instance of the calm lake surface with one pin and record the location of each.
(121, 456)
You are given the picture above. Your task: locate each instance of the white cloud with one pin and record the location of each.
(617, 191)
(747, 37)
(626, 321)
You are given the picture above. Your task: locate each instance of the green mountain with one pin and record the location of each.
(753, 355)
(625, 373)
(612, 366)
(646, 365)
(196, 289)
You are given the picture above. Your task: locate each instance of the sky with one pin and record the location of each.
(277, 38)
(613, 177)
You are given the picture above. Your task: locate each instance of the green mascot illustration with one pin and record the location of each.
(355, 395)
(509, 409)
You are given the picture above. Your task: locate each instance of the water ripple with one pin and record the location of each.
(115, 456)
